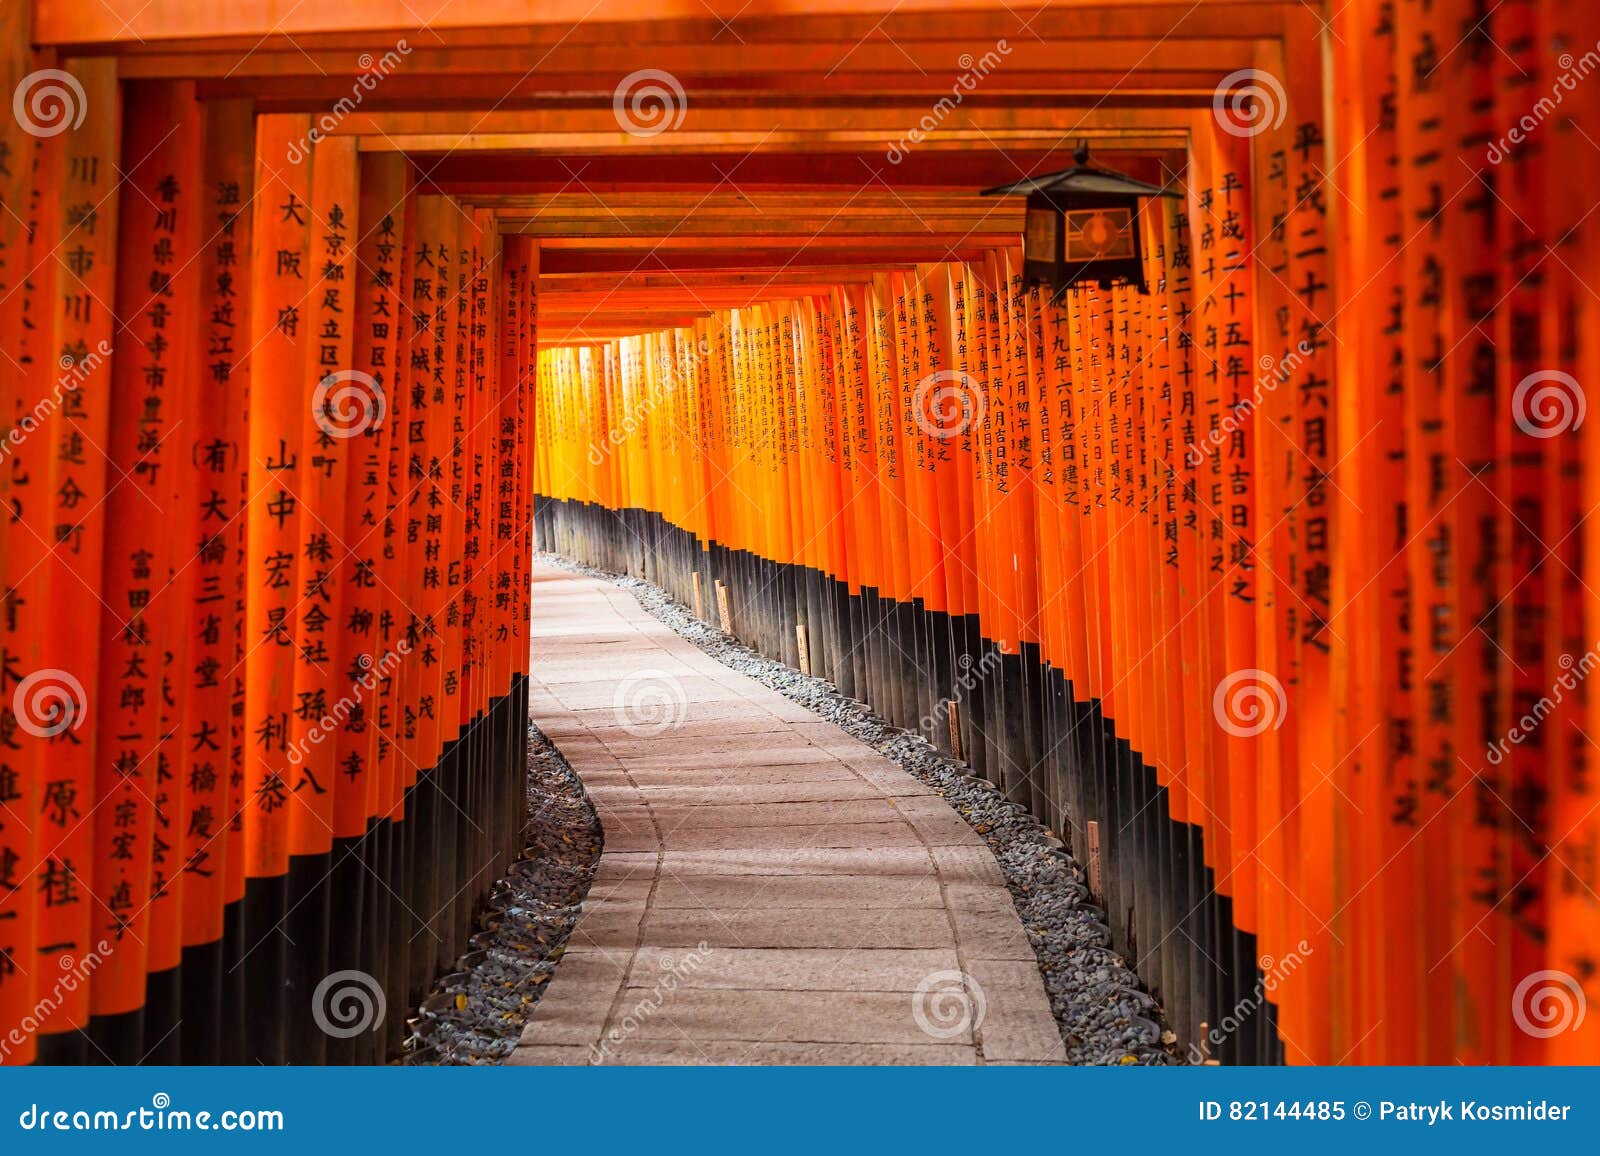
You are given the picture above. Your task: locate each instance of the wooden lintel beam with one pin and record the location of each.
(997, 216)
(557, 304)
(482, 177)
(272, 26)
(679, 260)
(876, 119)
(739, 145)
(700, 279)
(929, 243)
(589, 66)
(1066, 88)
(643, 322)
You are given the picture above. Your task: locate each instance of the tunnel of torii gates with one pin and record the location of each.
(1268, 589)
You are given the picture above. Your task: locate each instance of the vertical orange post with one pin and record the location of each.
(212, 475)
(147, 562)
(282, 269)
(77, 238)
(22, 553)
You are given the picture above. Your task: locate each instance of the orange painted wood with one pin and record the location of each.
(282, 269)
(146, 584)
(213, 477)
(22, 552)
(78, 240)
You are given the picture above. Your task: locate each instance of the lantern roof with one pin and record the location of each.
(1082, 177)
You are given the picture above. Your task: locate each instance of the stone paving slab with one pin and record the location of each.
(687, 1052)
(772, 891)
(878, 862)
(725, 794)
(870, 1017)
(803, 892)
(910, 929)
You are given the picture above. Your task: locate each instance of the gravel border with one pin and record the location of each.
(1102, 1009)
(475, 1015)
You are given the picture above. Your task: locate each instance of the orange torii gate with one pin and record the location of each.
(1268, 589)
(235, 761)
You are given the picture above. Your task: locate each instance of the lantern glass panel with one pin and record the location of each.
(1040, 241)
(1099, 234)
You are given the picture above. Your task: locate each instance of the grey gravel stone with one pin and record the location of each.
(524, 929)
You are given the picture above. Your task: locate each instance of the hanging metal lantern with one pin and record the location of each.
(1081, 224)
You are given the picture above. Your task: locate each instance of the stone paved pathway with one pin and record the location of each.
(772, 890)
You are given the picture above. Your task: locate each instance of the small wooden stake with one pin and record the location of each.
(805, 648)
(699, 605)
(722, 607)
(955, 728)
(1094, 861)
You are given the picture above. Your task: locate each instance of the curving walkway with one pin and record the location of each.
(772, 890)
